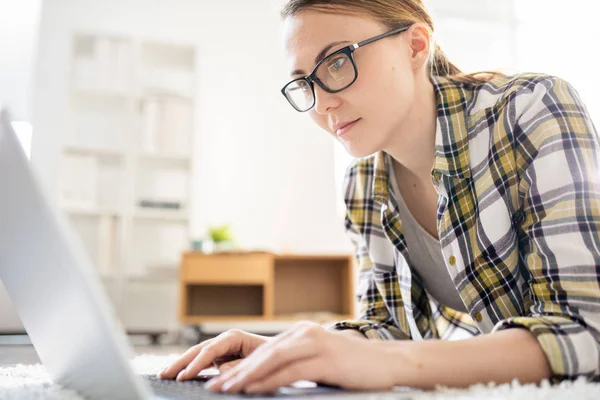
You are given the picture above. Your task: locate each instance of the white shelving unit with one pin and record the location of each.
(126, 169)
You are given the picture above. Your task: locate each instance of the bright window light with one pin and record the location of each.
(24, 132)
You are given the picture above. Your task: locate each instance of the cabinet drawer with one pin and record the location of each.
(227, 269)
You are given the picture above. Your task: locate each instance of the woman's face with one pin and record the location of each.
(382, 95)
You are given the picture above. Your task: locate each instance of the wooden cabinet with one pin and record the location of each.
(227, 269)
(261, 286)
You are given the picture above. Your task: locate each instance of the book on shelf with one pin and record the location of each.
(103, 60)
(108, 68)
(122, 63)
(160, 205)
(167, 126)
(174, 81)
(151, 125)
(177, 126)
(106, 246)
(79, 182)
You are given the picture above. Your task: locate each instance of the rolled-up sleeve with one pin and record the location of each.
(559, 235)
(374, 319)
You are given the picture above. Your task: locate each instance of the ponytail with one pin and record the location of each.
(441, 66)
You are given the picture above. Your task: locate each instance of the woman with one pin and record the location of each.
(473, 205)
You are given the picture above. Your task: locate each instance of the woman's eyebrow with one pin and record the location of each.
(320, 56)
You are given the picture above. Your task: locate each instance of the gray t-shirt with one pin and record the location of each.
(426, 258)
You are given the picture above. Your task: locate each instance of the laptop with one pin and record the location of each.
(60, 299)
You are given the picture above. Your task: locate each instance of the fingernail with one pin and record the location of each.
(227, 385)
(252, 389)
(210, 384)
(224, 376)
(180, 375)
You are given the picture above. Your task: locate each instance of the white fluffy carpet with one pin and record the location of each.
(32, 382)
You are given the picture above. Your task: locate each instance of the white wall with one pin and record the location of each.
(18, 34)
(476, 34)
(562, 41)
(261, 166)
(524, 36)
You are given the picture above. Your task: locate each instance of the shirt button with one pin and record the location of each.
(437, 176)
(478, 317)
(452, 260)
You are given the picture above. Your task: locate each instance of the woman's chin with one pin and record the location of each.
(360, 150)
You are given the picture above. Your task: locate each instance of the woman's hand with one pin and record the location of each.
(309, 352)
(204, 355)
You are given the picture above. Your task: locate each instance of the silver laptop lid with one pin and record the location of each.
(54, 287)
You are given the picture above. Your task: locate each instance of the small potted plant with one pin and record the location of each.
(221, 237)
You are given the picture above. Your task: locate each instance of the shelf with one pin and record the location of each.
(206, 300)
(167, 69)
(92, 212)
(320, 284)
(97, 152)
(166, 274)
(149, 278)
(256, 326)
(321, 257)
(129, 134)
(165, 157)
(173, 56)
(101, 65)
(188, 319)
(100, 91)
(260, 322)
(164, 215)
(167, 93)
(159, 82)
(266, 287)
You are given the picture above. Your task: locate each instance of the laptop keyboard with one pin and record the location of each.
(192, 389)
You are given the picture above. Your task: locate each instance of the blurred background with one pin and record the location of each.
(158, 128)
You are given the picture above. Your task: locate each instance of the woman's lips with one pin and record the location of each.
(346, 128)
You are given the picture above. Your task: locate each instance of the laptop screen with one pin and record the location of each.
(24, 132)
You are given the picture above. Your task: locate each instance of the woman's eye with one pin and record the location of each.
(337, 64)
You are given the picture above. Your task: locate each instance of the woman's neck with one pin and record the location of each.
(414, 145)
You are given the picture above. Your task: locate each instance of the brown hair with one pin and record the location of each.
(393, 14)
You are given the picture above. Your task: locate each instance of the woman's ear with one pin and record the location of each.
(419, 41)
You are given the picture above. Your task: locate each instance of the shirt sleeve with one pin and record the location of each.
(559, 241)
(374, 319)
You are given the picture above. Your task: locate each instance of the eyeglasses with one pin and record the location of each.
(333, 74)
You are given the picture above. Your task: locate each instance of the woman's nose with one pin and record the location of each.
(325, 101)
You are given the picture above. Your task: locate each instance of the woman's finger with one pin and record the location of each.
(279, 357)
(225, 345)
(228, 365)
(241, 366)
(183, 361)
(308, 369)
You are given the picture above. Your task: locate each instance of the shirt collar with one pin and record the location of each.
(454, 100)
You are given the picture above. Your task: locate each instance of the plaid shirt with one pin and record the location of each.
(518, 176)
